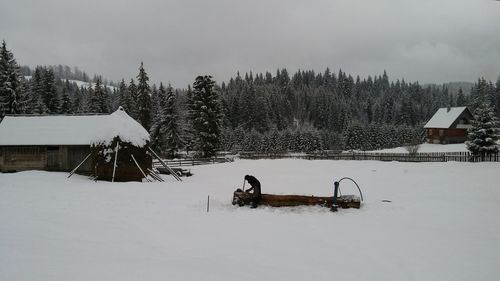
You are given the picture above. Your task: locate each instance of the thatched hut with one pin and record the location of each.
(120, 153)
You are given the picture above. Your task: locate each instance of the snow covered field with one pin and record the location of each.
(443, 224)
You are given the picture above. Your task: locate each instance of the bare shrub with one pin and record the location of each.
(412, 149)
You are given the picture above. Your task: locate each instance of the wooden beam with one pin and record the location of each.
(81, 163)
(116, 158)
(139, 167)
(174, 174)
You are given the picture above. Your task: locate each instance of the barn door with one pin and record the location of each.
(53, 158)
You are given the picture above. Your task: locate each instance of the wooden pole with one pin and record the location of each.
(116, 158)
(244, 184)
(154, 175)
(137, 164)
(208, 204)
(174, 174)
(81, 163)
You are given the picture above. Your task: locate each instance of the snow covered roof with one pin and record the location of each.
(444, 117)
(72, 130)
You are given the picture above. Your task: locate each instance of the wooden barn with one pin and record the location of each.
(62, 142)
(449, 125)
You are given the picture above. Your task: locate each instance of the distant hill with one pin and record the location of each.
(453, 87)
(79, 83)
(64, 72)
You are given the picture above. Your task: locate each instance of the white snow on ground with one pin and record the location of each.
(442, 224)
(429, 147)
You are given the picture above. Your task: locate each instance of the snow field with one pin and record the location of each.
(442, 224)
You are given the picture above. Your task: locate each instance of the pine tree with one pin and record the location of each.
(154, 100)
(173, 131)
(497, 97)
(205, 115)
(78, 101)
(37, 91)
(143, 101)
(461, 100)
(51, 98)
(354, 137)
(124, 97)
(132, 96)
(165, 131)
(65, 106)
(483, 135)
(187, 126)
(479, 94)
(101, 96)
(92, 101)
(10, 95)
(25, 103)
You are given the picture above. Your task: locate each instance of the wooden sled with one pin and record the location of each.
(242, 198)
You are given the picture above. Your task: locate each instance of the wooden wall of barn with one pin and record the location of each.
(20, 158)
(50, 158)
(446, 136)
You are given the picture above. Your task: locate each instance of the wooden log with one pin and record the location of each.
(345, 201)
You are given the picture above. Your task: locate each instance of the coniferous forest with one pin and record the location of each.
(263, 112)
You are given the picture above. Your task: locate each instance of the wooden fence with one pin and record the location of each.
(401, 157)
(181, 162)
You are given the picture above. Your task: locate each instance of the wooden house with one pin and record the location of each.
(449, 125)
(62, 142)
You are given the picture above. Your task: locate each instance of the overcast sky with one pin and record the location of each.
(424, 40)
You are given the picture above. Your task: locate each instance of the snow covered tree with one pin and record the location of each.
(124, 97)
(143, 101)
(25, 104)
(461, 99)
(155, 100)
(252, 141)
(483, 135)
(37, 91)
(65, 106)
(132, 94)
(354, 137)
(227, 140)
(173, 130)
(206, 115)
(50, 95)
(10, 95)
(78, 101)
(165, 131)
(97, 98)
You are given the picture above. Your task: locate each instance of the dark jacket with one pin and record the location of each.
(254, 182)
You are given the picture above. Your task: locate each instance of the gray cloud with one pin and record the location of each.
(427, 40)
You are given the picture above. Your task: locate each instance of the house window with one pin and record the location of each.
(441, 132)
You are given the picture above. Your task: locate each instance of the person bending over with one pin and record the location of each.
(255, 187)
